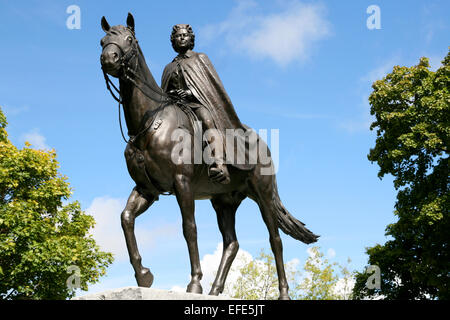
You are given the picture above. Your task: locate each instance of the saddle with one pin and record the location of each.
(241, 155)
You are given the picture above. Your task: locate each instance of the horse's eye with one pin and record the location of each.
(129, 39)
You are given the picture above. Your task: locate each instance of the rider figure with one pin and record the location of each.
(192, 77)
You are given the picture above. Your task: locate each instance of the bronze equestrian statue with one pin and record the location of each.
(191, 90)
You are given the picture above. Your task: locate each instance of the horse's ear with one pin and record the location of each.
(105, 24)
(130, 22)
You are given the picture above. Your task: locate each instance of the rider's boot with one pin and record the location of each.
(217, 170)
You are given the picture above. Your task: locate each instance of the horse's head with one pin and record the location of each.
(119, 46)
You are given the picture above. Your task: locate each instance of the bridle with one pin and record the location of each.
(126, 73)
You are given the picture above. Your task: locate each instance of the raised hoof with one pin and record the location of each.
(144, 278)
(194, 288)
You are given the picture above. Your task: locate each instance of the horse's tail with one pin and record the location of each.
(287, 223)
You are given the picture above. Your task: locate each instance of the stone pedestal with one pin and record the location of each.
(139, 293)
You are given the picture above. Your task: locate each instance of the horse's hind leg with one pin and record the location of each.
(262, 192)
(136, 204)
(226, 206)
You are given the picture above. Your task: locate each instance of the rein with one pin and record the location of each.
(124, 63)
(119, 100)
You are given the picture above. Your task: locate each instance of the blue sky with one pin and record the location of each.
(303, 67)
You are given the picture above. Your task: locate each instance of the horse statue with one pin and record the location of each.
(151, 117)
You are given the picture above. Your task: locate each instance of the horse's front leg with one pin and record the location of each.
(136, 204)
(185, 198)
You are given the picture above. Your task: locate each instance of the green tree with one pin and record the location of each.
(41, 233)
(258, 279)
(321, 278)
(318, 281)
(412, 110)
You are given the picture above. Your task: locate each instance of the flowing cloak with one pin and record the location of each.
(202, 79)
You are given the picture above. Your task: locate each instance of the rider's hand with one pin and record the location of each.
(184, 94)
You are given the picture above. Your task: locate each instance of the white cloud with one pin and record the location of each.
(310, 251)
(344, 287)
(284, 37)
(36, 139)
(331, 253)
(108, 230)
(180, 289)
(210, 264)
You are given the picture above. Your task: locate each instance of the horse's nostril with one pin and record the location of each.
(114, 56)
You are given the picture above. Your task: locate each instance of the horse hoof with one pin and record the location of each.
(194, 287)
(144, 278)
(284, 297)
(215, 291)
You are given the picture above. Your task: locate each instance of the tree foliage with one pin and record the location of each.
(41, 233)
(412, 110)
(319, 279)
(258, 279)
